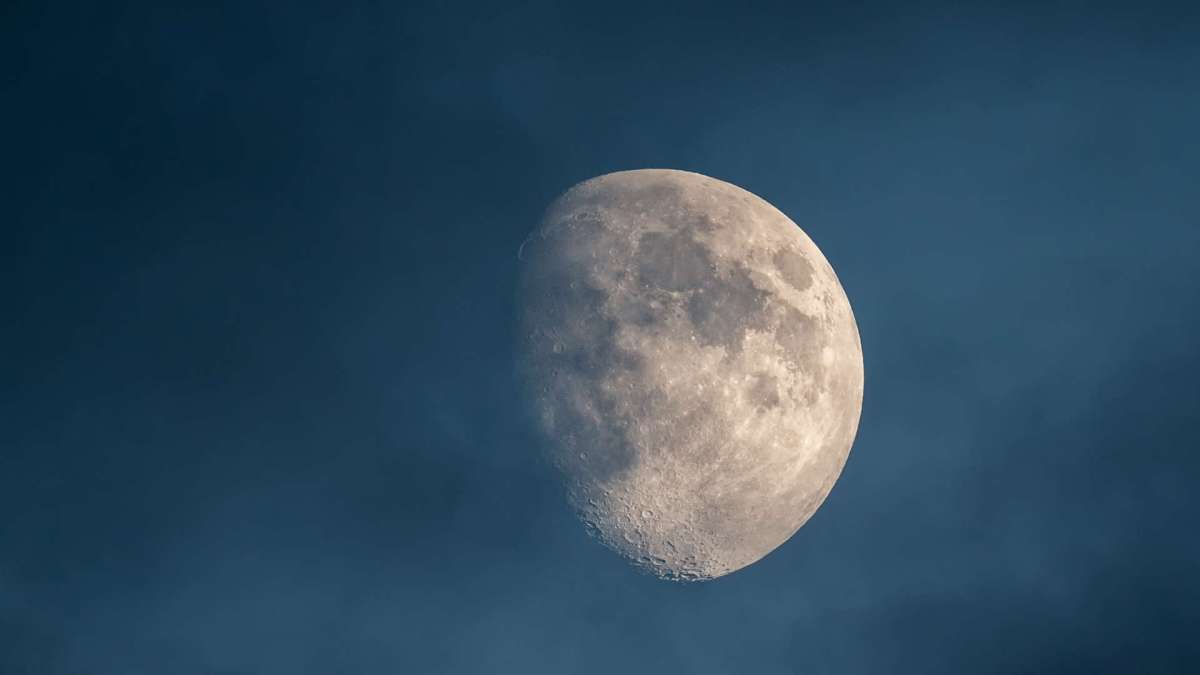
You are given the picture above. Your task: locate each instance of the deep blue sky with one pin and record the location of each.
(256, 405)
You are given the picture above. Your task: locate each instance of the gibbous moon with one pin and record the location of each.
(692, 364)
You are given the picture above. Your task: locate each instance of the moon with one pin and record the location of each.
(692, 364)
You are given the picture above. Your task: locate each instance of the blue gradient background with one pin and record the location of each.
(256, 405)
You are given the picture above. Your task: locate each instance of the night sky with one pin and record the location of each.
(257, 402)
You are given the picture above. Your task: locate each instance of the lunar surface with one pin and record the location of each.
(693, 365)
